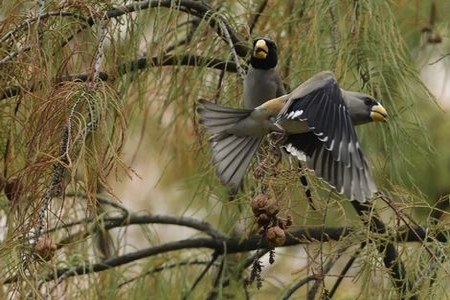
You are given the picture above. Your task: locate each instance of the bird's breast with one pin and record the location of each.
(259, 86)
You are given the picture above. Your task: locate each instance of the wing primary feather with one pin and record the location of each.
(231, 158)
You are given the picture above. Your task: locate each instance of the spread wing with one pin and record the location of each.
(331, 147)
(231, 154)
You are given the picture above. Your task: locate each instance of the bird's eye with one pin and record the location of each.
(368, 101)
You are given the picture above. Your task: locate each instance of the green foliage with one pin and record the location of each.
(56, 116)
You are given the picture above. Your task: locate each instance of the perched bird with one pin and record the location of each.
(318, 118)
(262, 82)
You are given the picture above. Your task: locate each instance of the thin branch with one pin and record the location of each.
(386, 248)
(140, 219)
(88, 268)
(11, 55)
(435, 215)
(255, 17)
(102, 199)
(194, 23)
(318, 278)
(439, 59)
(335, 38)
(100, 53)
(165, 219)
(344, 271)
(163, 268)
(139, 64)
(224, 29)
(212, 295)
(288, 293)
(182, 60)
(202, 274)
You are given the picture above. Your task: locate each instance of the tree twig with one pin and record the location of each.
(202, 274)
(386, 248)
(163, 268)
(439, 59)
(139, 64)
(344, 271)
(255, 17)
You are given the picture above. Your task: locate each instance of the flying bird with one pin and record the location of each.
(318, 119)
(262, 82)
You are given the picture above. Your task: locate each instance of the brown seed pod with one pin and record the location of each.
(289, 221)
(276, 236)
(45, 248)
(263, 220)
(273, 208)
(13, 189)
(258, 204)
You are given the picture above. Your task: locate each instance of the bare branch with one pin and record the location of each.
(220, 245)
(255, 17)
(225, 31)
(439, 59)
(344, 271)
(163, 268)
(288, 293)
(202, 274)
(141, 219)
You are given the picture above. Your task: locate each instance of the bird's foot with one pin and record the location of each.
(277, 139)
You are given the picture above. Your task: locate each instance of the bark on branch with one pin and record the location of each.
(222, 246)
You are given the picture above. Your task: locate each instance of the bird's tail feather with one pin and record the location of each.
(217, 118)
(231, 154)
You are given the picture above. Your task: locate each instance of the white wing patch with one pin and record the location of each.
(294, 114)
(295, 152)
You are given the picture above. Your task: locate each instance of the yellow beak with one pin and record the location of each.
(261, 50)
(378, 113)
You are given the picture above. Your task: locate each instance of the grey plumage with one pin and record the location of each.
(231, 153)
(262, 82)
(261, 85)
(318, 118)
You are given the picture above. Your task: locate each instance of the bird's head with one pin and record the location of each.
(364, 108)
(264, 54)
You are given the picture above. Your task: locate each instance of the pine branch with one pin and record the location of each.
(138, 64)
